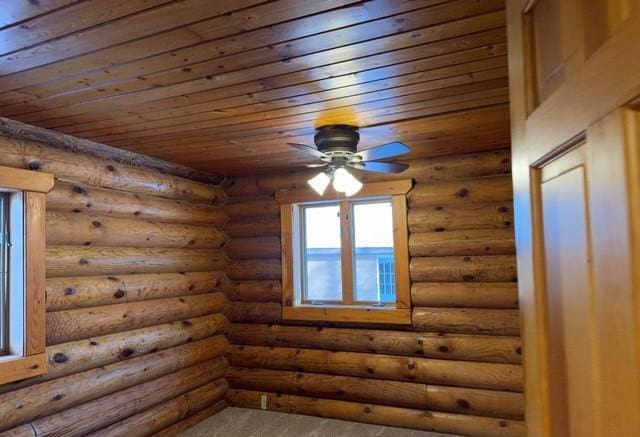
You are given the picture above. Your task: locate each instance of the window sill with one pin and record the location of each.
(15, 367)
(347, 314)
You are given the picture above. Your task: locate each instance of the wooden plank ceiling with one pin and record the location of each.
(222, 85)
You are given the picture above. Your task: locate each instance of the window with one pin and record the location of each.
(22, 269)
(386, 279)
(346, 259)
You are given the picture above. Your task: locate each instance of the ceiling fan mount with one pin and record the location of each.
(337, 140)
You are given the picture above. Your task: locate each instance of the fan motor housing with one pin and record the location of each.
(337, 140)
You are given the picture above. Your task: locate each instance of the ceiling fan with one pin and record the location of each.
(337, 148)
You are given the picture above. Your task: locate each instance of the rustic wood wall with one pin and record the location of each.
(135, 330)
(457, 369)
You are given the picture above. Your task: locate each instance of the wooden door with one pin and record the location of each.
(575, 91)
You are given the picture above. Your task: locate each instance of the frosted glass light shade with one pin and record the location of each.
(319, 182)
(344, 182)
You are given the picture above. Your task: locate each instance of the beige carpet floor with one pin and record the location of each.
(242, 422)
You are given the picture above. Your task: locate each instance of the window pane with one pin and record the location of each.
(322, 260)
(374, 267)
(4, 307)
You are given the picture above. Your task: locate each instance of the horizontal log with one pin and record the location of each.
(252, 207)
(467, 320)
(19, 406)
(268, 226)
(461, 217)
(104, 173)
(490, 403)
(496, 376)
(20, 431)
(88, 291)
(446, 168)
(192, 420)
(64, 261)
(253, 248)
(471, 242)
(80, 355)
(90, 230)
(254, 312)
(80, 198)
(465, 294)
(487, 268)
(91, 416)
(254, 291)
(478, 190)
(254, 269)
(68, 325)
(379, 414)
(439, 168)
(167, 413)
(446, 346)
(17, 129)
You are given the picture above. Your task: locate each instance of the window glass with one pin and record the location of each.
(4, 252)
(373, 254)
(322, 262)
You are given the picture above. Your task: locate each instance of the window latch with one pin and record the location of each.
(378, 304)
(317, 302)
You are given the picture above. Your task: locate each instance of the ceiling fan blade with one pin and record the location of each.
(317, 165)
(310, 150)
(382, 167)
(382, 152)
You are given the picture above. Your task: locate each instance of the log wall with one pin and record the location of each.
(460, 361)
(135, 274)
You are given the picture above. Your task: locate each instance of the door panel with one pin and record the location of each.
(569, 292)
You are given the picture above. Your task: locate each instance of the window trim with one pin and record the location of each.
(26, 355)
(400, 313)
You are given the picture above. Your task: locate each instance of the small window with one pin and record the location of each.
(22, 273)
(346, 259)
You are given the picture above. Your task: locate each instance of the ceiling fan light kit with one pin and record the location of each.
(320, 182)
(345, 182)
(336, 147)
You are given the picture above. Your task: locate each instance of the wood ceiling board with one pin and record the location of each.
(167, 141)
(364, 119)
(117, 32)
(320, 91)
(111, 79)
(436, 126)
(220, 35)
(238, 21)
(13, 13)
(386, 97)
(240, 32)
(377, 90)
(345, 110)
(74, 18)
(491, 43)
(225, 92)
(428, 34)
(268, 145)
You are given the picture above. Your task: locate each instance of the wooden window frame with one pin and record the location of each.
(346, 310)
(26, 356)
